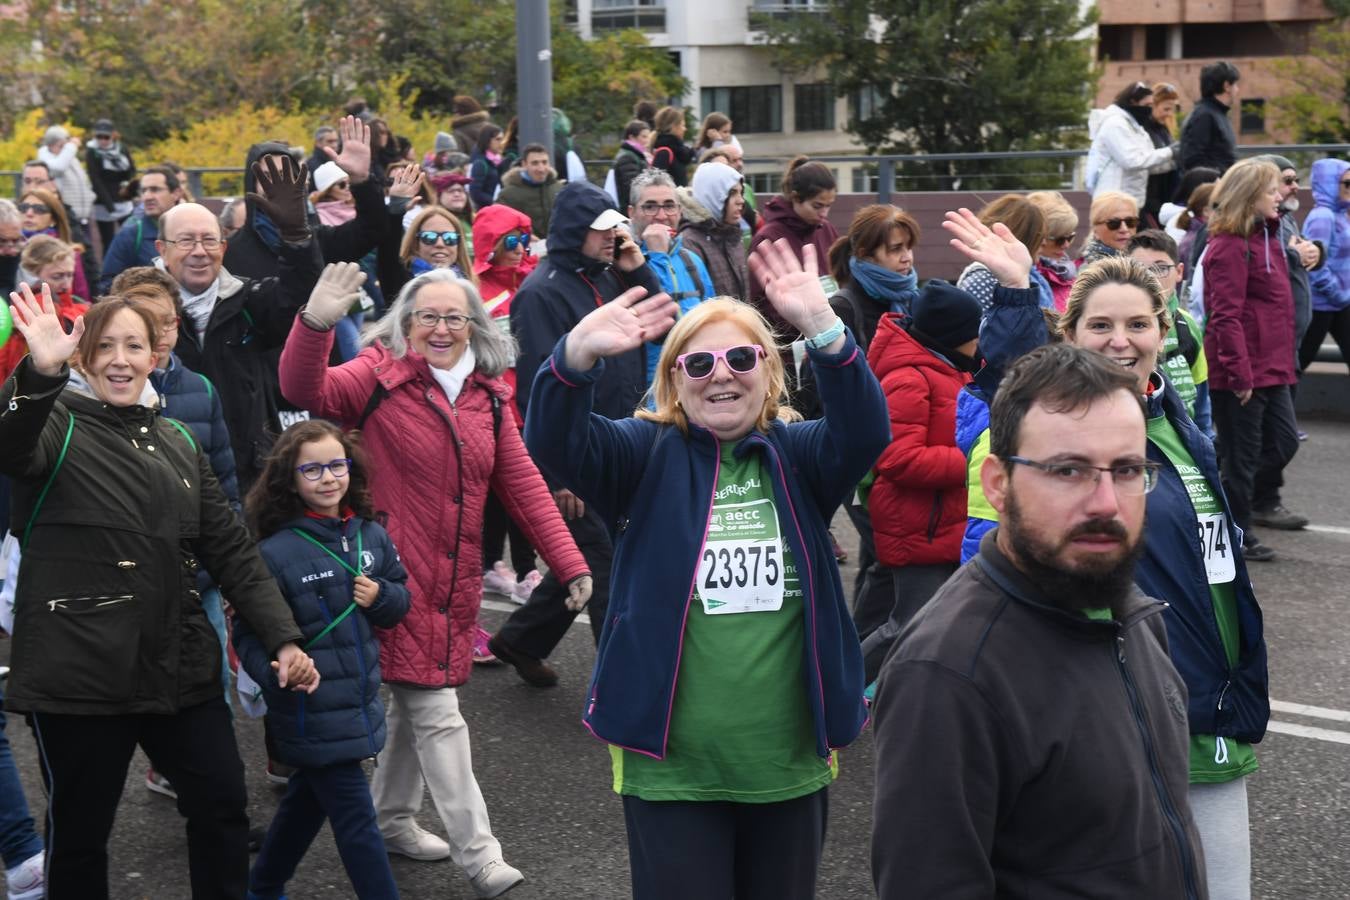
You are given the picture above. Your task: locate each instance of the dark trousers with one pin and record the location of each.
(867, 556)
(537, 627)
(340, 795)
(903, 590)
(1337, 324)
(748, 851)
(84, 763)
(497, 527)
(1256, 442)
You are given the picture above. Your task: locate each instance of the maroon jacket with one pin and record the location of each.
(781, 222)
(1249, 310)
(918, 501)
(432, 463)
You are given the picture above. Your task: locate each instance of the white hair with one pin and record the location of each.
(494, 350)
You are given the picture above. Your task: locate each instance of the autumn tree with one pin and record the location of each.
(1316, 107)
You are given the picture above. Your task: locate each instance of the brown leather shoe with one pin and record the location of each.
(533, 671)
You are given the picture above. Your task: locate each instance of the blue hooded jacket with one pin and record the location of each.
(684, 277)
(655, 485)
(343, 720)
(1329, 224)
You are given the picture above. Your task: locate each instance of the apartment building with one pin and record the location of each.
(717, 46)
(1172, 40)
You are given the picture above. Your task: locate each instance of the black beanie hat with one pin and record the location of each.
(944, 317)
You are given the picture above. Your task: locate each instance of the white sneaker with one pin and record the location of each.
(522, 589)
(417, 843)
(495, 879)
(500, 579)
(26, 880)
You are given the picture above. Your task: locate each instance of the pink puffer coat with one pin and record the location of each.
(432, 463)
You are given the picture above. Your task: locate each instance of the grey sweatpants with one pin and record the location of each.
(1221, 817)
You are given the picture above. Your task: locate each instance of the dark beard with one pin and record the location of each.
(1094, 587)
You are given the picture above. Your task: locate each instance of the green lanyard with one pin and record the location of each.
(346, 565)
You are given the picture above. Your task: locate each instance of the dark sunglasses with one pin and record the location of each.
(512, 241)
(1063, 240)
(40, 208)
(428, 238)
(1130, 222)
(103, 137)
(1291, 179)
(700, 363)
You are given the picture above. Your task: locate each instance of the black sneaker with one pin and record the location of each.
(533, 671)
(1255, 551)
(1279, 518)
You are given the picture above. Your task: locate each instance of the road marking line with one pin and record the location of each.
(499, 606)
(1307, 731)
(1316, 712)
(1328, 529)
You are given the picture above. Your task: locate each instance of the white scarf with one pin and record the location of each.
(199, 307)
(452, 379)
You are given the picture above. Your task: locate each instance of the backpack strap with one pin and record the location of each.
(184, 432)
(42, 495)
(210, 389)
(376, 397)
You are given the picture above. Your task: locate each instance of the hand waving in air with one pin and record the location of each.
(354, 159)
(338, 287)
(281, 195)
(406, 181)
(48, 344)
(996, 248)
(620, 325)
(793, 287)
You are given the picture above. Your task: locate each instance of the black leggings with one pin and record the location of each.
(1337, 324)
(497, 527)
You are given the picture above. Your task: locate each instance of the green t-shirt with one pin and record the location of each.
(1175, 365)
(1213, 759)
(741, 729)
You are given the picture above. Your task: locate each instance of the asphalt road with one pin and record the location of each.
(547, 783)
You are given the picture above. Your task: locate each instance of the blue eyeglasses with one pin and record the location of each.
(314, 471)
(512, 241)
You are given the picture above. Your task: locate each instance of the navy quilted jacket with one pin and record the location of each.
(343, 720)
(192, 399)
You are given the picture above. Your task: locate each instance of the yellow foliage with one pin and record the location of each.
(22, 144)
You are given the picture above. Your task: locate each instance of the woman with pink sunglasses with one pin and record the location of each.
(728, 671)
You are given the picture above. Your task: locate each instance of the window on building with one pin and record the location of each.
(1115, 42)
(865, 103)
(814, 107)
(610, 15)
(755, 108)
(764, 182)
(763, 11)
(1200, 41)
(1252, 119)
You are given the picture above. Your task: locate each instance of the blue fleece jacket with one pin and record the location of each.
(1329, 223)
(654, 486)
(133, 246)
(342, 721)
(1231, 702)
(684, 277)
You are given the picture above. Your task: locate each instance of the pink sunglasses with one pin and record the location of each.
(700, 363)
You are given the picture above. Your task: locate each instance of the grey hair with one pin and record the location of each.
(494, 350)
(9, 213)
(645, 179)
(322, 130)
(227, 212)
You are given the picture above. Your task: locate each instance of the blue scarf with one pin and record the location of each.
(419, 266)
(266, 230)
(899, 290)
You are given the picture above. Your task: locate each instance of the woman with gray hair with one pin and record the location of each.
(427, 394)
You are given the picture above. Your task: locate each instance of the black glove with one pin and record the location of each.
(285, 200)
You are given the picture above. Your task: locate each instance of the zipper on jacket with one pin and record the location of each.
(935, 517)
(457, 444)
(1160, 788)
(13, 405)
(95, 602)
(365, 677)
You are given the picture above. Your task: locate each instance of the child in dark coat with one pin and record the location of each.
(342, 577)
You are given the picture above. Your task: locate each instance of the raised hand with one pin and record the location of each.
(355, 156)
(282, 197)
(338, 287)
(406, 181)
(793, 286)
(48, 344)
(618, 326)
(996, 249)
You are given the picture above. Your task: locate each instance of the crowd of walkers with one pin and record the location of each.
(649, 400)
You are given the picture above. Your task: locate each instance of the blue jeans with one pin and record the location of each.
(341, 795)
(19, 839)
(347, 332)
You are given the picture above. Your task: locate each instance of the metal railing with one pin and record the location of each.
(883, 175)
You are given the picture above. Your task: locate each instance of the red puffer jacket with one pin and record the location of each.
(918, 502)
(432, 464)
(1249, 311)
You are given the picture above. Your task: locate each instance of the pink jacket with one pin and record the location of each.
(432, 463)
